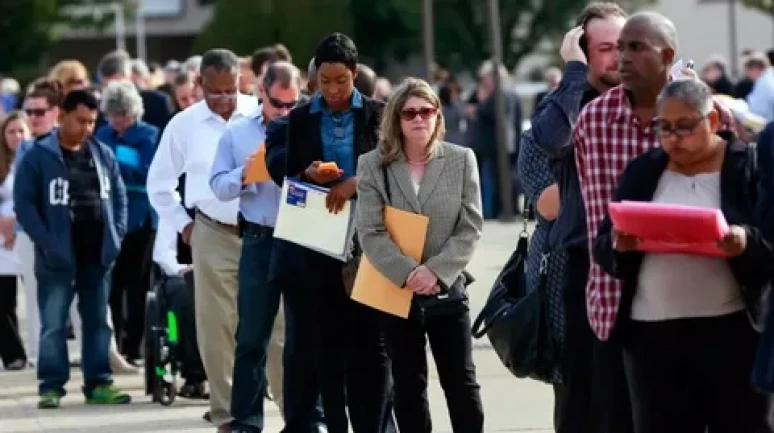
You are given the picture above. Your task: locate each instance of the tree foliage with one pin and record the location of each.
(765, 6)
(244, 26)
(391, 30)
(27, 30)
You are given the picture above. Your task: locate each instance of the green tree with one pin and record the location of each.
(244, 26)
(392, 29)
(27, 31)
(765, 6)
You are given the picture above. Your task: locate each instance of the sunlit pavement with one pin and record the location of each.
(511, 405)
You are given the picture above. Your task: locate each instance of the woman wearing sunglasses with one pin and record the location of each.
(688, 340)
(414, 170)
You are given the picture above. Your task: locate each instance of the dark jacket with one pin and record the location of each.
(158, 108)
(293, 142)
(134, 152)
(552, 124)
(45, 216)
(303, 144)
(765, 157)
(738, 196)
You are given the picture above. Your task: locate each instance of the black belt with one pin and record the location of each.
(253, 229)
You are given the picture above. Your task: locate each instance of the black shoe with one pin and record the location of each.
(235, 428)
(193, 390)
(207, 416)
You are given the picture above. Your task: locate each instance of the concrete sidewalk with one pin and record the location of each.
(511, 405)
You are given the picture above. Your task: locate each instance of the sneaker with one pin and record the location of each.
(107, 394)
(49, 400)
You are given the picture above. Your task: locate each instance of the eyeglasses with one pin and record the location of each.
(276, 103)
(222, 95)
(36, 112)
(425, 113)
(665, 129)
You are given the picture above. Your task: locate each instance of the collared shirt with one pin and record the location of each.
(165, 248)
(337, 131)
(607, 137)
(761, 99)
(258, 202)
(188, 146)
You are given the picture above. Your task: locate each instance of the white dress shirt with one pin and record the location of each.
(165, 248)
(188, 145)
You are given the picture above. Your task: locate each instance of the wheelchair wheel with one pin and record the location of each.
(151, 349)
(165, 392)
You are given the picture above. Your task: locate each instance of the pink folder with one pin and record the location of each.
(668, 228)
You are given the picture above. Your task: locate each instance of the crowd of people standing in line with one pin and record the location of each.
(652, 343)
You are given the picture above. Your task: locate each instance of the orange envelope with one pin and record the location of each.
(256, 171)
(408, 230)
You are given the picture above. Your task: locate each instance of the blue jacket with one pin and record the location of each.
(42, 207)
(134, 153)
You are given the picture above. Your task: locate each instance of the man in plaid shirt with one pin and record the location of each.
(614, 129)
(611, 131)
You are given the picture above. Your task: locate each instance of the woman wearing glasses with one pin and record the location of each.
(689, 344)
(414, 170)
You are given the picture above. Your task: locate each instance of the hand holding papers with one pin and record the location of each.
(255, 167)
(305, 220)
(659, 228)
(408, 231)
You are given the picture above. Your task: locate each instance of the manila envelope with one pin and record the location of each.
(256, 170)
(408, 230)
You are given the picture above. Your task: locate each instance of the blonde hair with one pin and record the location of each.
(67, 72)
(390, 133)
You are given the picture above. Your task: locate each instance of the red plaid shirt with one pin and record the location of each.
(607, 137)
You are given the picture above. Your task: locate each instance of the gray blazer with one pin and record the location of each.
(449, 194)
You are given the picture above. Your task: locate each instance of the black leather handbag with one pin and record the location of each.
(515, 319)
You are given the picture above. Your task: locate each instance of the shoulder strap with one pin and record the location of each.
(387, 184)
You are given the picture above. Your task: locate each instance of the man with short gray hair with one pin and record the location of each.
(189, 145)
(259, 297)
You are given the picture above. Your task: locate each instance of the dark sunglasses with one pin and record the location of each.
(36, 112)
(665, 129)
(411, 113)
(276, 103)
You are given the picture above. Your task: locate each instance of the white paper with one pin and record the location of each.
(677, 69)
(304, 220)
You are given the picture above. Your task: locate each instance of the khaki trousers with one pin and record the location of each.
(216, 252)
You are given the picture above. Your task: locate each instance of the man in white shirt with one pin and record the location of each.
(188, 146)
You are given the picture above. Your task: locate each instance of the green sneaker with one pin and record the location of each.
(107, 394)
(49, 400)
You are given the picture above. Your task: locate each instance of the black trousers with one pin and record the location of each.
(11, 347)
(131, 281)
(693, 376)
(180, 295)
(352, 364)
(594, 397)
(452, 348)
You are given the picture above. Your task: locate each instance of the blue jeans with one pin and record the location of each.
(55, 295)
(257, 305)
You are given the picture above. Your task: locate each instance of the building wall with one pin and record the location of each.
(703, 29)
